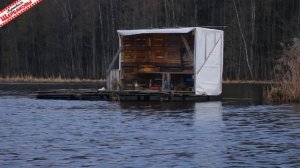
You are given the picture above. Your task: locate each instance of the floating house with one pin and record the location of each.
(177, 64)
(176, 59)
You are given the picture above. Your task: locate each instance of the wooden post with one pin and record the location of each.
(113, 61)
(186, 44)
(166, 81)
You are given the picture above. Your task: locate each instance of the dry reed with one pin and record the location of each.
(288, 74)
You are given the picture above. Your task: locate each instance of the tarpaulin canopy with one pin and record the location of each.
(155, 31)
(208, 55)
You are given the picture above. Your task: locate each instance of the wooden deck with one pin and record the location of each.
(126, 95)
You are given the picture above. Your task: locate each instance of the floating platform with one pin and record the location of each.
(126, 95)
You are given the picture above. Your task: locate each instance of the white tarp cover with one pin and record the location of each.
(208, 65)
(155, 31)
(209, 61)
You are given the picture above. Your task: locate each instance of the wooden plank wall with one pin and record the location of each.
(153, 49)
(153, 53)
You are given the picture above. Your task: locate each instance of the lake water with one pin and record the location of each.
(58, 133)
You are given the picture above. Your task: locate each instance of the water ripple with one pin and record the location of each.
(42, 133)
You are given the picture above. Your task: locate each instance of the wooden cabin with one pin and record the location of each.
(163, 60)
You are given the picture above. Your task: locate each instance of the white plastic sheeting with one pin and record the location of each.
(208, 53)
(155, 31)
(208, 61)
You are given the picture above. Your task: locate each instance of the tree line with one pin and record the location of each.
(77, 38)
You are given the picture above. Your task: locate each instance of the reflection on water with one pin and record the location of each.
(208, 112)
(208, 119)
(49, 133)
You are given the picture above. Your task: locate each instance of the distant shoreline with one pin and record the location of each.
(31, 80)
(48, 80)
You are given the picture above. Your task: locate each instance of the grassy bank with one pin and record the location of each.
(31, 79)
(77, 80)
(249, 82)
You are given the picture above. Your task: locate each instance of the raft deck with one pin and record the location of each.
(125, 95)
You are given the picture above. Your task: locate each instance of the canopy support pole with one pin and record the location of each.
(113, 61)
(187, 47)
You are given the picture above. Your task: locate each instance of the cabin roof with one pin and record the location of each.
(160, 31)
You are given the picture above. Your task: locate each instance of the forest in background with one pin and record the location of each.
(77, 38)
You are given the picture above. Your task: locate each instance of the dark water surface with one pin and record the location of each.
(50, 133)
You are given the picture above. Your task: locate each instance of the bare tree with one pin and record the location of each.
(244, 40)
